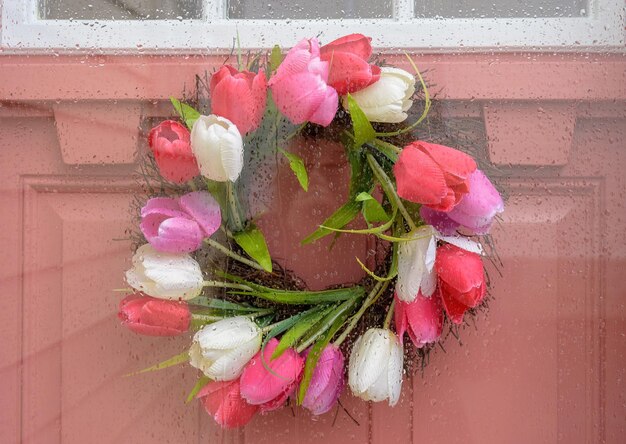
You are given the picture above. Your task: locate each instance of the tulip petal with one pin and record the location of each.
(394, 371)
(370, 354)
(464, 243)
(459, 268)
(230, 365)
(204, 209)
(223, 401)
(457, 166)
(174, 235)
(419, 179)
(416, 265)
(227, 333)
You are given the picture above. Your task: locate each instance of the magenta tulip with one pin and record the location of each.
(154, 317)
(461, 280)
(300, 89)
(327, 381)
(349, 69)
(223, 401)
(239, 96)
(270, 390)
(171, 146)
(422, 319)
(178, 225)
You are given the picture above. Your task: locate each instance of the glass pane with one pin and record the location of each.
(501, 8)
(120, 9)
(322, 9)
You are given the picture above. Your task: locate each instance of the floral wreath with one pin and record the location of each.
(262, 339)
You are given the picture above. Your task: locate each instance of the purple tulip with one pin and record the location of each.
(475, 211)
(178, 225)
(326, 383)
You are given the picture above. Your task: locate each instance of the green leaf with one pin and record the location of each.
(188, 113)
(218, 191)
(389, 150)
(297, 166)
(303, 325)
(372, 210)
(340, 316)
(253, 242)
(304, 297)
(220, 304)
(202, 381)
(276, 58)
(363, 130)
(339, 219)
(174, 360)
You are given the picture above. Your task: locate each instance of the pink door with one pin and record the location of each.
(546, 364)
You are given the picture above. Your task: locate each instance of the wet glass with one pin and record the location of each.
(120, 9)
(501, 9)
(323, 9)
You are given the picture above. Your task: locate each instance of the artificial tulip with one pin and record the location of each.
(416, 264)
(461, 280)
(222, 349)
(388, 99)
(178, 225)
(218, 147)
(476, 211)
(223, 401)
(154, 317)
(165, 275)
(270, 390)
(434, 175)
(326, 382)
(349, 69)
(239, 97)
(375, 368)
(171, 146)
(300, 89)
(422, 319)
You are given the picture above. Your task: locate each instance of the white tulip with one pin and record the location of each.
(221, 350)
(375, 369)
(218, 147)
(416, 261)
(388, 99)
(165, 275)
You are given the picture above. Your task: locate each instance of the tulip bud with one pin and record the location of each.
(422, 319)
(270, 390)
(416, 264)
(461, 280)
(239, 97)
(154, 317)
(178, 225)
(388, 99)
(223, 401)
(165, 275)
(218, 147)
(475, 212)
(375, 369)
(222, 349)
(326, 382)
(170, 144)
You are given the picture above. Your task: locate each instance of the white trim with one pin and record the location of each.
(602, 29)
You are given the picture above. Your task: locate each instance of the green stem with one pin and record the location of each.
(219, 284)
(259, 314)
(389, 314)
(373, 295)
(232, 254)
(389, 189)
(208, 318)
(233, 203)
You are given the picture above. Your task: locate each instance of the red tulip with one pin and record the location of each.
(349, 69)
(223, 401)
(270, 390)
(434, 175)
(170, 143)
(239, 96)
(154, 317)
(422, 319)
(461, 280)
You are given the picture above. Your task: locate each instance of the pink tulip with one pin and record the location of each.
(300, 89)
(178, 225)
(154, 317)
(461, 280)
(270, 390)
(422, 319)
(239, 96)
(349, 69)
(223, 401)
(433, 175)
(327, 381)
(171, 146)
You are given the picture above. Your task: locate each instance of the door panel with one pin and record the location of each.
(546, 364)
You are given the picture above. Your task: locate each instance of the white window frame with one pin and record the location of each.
(601, 29)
